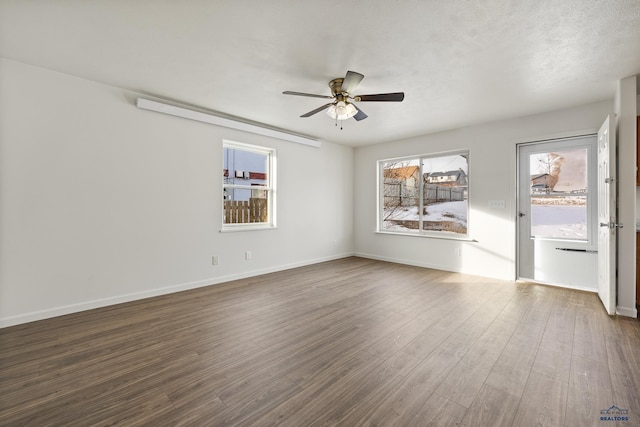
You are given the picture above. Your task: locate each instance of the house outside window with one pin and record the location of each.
(424, 195)
(561, 205)
(248, 187)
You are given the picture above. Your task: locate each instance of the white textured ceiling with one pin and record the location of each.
(459, 62)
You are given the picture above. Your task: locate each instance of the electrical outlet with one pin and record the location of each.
(214, 260)
(247, 255)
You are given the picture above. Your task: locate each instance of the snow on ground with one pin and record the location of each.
(447, 211)
(565, 222)
(568, 222)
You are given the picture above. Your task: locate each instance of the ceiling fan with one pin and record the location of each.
(342, 107)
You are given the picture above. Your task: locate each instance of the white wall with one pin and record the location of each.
(492, 176)
(101, 202)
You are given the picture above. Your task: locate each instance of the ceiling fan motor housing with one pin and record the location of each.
(340, 107)
(336, 86)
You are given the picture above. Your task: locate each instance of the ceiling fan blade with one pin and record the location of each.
(360, 115)
(351, 81)
(380, 97)
(288, 92)
(317, 110)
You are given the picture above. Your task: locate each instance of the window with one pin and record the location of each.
(559, 194)
(424, 195)
(248, 186)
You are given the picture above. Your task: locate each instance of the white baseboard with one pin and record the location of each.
(458, 270)
(406, 262)
(627, 312)
(104, 302)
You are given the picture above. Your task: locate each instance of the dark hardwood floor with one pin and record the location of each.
(348, 342)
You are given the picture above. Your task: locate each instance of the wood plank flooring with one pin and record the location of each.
(347, 343)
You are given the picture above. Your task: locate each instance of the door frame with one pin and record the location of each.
(591, 244)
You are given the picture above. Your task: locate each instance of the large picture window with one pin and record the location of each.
(425, 195)
(248, 186)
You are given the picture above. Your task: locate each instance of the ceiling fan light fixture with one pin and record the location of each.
(339, 108)
(342, 110)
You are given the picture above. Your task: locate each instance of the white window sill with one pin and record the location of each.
(246, 227)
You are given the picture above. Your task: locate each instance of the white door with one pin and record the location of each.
(607, 223)
(557, 212)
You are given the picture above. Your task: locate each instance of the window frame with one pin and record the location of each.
(270, 187)
(420, 232)
(591, 208)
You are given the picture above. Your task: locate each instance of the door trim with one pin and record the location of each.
(590, 245)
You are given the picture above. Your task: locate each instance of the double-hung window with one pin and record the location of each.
(248, 186)
(424, 195)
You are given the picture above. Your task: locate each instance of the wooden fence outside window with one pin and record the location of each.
(434, 193)
(246, 211)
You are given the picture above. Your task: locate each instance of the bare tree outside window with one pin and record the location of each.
(550, 164)
(425, 194)
(559, 194)
(400, 187)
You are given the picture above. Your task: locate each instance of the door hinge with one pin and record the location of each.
(611, 225)
(609, 180)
